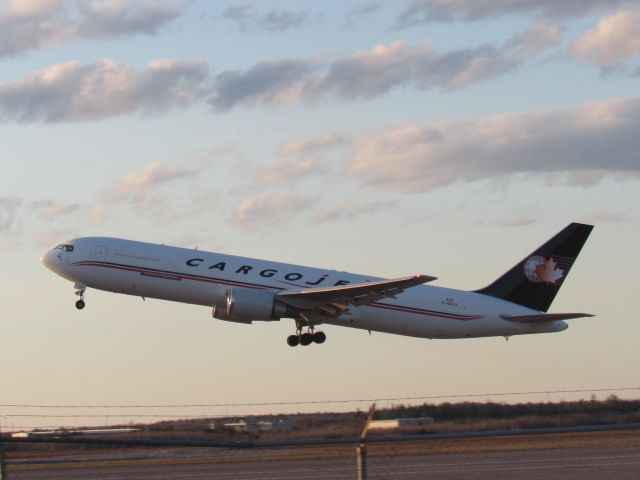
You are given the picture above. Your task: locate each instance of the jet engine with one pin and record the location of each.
(243, 305)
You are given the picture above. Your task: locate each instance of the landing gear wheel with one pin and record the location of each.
(293, 340)
(319, 337)
(80, 293)
(306, 339)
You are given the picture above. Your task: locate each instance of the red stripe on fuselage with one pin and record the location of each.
(426, 312)
(180, 276)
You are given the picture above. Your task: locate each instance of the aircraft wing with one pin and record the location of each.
(332, 301)
(544, 317)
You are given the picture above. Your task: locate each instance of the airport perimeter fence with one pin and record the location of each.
(160, 456)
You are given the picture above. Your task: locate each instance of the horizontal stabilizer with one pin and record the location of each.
(544, 317)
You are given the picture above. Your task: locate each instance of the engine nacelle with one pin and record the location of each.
(219, 297)
(221, 314)
(245, 304)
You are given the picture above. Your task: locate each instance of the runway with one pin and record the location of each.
(588, 463)
(548, 464)
(622, 462)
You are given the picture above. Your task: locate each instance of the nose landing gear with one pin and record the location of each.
(80, 293)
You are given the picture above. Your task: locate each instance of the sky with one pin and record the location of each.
(442, 137)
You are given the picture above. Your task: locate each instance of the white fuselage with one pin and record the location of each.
(202, 278)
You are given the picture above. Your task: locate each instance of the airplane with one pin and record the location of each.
(243, 290)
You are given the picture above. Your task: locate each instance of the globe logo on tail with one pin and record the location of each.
(539, 270)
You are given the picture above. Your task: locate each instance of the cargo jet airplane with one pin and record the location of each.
(244, 290)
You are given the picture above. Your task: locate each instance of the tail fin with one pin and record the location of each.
(535, 281)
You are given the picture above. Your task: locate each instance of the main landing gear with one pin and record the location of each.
(80, 293)
(306, 338)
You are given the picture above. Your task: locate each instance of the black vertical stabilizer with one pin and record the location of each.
(535, 281)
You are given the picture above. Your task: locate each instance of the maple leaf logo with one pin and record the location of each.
(548, 272)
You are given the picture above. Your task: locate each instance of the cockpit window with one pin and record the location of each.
(65, 247)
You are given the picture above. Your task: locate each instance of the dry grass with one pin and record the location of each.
(606, 439)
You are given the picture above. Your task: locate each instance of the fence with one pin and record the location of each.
(330, 450)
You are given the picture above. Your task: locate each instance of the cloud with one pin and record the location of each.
(247, 18)
(281, 21)
(32, 24)
(154, 174)
(49, 212)
(268, 211)
(203, 159)
(52, 209)
(614, 39)
(379, 70)
(297, 161)
(9, 206)
(369, 74)
(241, 15)
(97, 214)
(609, 217)
(352, 209)
(463, 68)
(364, 10)
(71, 92)
(534, 40)
(117, 18)
(300, 160)
(159, 192)
(141, 190)
(288, 171)
(312, 147)
(137, 182)
(49, 238)
(519, 219)
(272, 82)
(426, 11)
(596, 140)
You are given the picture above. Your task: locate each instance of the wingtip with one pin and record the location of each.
(425, 278)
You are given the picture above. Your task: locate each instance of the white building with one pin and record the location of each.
(398, 423)
(256, 426)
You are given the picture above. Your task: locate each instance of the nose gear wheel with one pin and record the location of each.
(80, 293)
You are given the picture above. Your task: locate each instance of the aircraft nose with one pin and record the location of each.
(47, 259)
